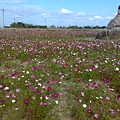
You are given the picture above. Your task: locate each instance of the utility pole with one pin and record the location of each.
(3, 16)
(45, 22)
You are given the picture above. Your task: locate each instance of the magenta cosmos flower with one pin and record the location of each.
(45, 104)
(1, 100)
(55, 95)
(26, 101)
(49, 88)
(89, 111)
(118, 97)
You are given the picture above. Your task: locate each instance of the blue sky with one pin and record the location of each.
(59, 12)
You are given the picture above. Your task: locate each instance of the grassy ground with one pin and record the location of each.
(58, 75)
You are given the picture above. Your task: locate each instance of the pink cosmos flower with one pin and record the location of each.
(32, 89)
(13, 96)
(32, 76)
(41, 103)
(7, 96)
(101, 110)
(96, 115)
(108, 71)
(62, 77)
(1, 86)
(112, 111)
(37, 92)
(16, 73)
(96, 88)
(17, 90)
(53, 79)
(54, 60)
(69, 87)
(107, 98)
(82, 93)
(65, 65)
(61, 94)
(45, 104)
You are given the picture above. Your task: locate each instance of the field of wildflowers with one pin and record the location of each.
(58, 75)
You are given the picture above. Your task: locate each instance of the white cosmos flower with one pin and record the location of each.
(90, 70)
(56, 101)
(36, 80)
(100, 97)
(41, 98)
(13, 77)
(97, 97)
(84, 105)
(27, 72)
(16, 108)
(96, 66)
(6, 88)
(39, 84)
(117, 69)
(13, 101)
(80, 100)
(105, 61)
(46, 97)
(90, 80)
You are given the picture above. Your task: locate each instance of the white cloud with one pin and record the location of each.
(108, 18)
(45, 15)
(12, 1)
(115, 13)
(65, 11)
(81, 13)
(97, 17)
(90, 19)
(17, 16)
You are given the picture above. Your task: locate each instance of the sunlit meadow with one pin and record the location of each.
(58, 75)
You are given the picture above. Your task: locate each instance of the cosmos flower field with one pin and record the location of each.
(58, 75)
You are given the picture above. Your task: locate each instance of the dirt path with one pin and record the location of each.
(63, 111)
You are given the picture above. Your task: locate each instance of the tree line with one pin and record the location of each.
(25, 25)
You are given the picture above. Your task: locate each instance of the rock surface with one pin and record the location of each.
(114, 22)
(102, 34)
(112, 30)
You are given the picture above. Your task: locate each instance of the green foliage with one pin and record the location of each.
(23, 25)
